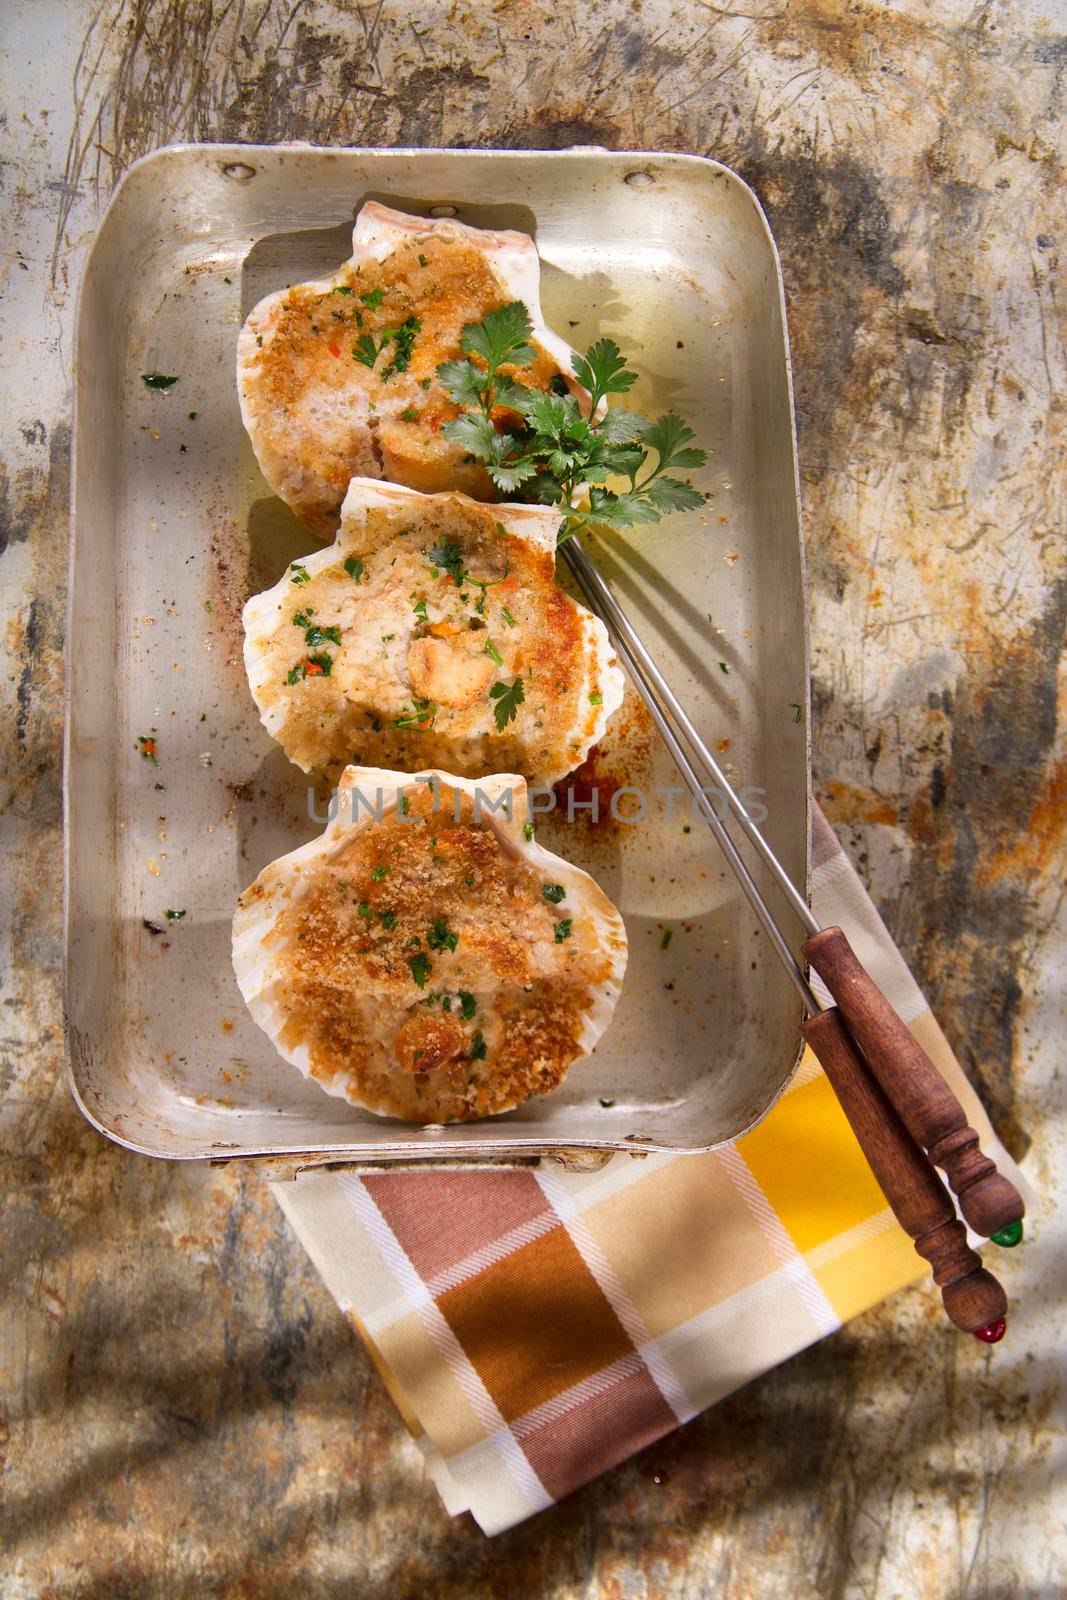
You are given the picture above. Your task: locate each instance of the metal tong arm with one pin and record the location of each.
(930, 1111)
(972, 1297)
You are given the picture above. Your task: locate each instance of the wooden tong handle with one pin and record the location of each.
(930, 1111)
(972, 1297)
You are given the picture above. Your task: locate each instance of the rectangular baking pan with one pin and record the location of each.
(670, 255)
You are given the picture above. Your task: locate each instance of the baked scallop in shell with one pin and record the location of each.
(431, 634)
(338, 377)
(425, 958)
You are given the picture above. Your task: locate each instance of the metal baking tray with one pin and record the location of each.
(173, 527)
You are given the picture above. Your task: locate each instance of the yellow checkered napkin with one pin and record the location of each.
(536, 1327)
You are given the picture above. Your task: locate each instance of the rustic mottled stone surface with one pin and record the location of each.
(182, 1408)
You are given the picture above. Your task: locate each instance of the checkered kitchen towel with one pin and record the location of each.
(536, 1327)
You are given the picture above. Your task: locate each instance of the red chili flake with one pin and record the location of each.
(312, 667)
(333, 349)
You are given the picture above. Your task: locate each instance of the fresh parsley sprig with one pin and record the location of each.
(555, 453)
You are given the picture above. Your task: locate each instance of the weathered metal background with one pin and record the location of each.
(183, 1409)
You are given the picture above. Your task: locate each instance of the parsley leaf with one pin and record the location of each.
(354, 567)
(553, 893)
(441, 936)
(157, 380)
(449, 557)
(503, 335)
(475, 432)
(492, 651)
(666, 436)
(421, 966)
(365, 351)
(468, 1005)
(317, 635)
(603, 371)
(403, 340)
(373, 298)
(423, 714)
(478, 1047)
(462, 382)
(563, 929)
(671, 494)
(509, 475)
(508, 697)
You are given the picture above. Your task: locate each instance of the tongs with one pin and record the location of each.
(903, 1113)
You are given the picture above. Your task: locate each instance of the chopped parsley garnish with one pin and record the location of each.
(174, 916)
(422, 260)
(421, 966)
(501, 530)
(563, 929)
(596, 699)
(449, 557)
(527, 831)
(365, 911)
(407, 415)
(509, 697)
(553, 893)
(492, 651)
(378, 874)
(317, 635)
(423, 713)
(468, 1005)
(796, 710)
(157, 380)
(668, 934)
(365, 351)
(425, 383)
(724, 668)
(148, 748)
(441, 935)
(193, 415)
(342, 288)
(508, 619)
(478, 1047)
(388, 920)
(372, 299)
(403, 341)
(316, 666)
(419, 609)
(354, 567)
(300, 573)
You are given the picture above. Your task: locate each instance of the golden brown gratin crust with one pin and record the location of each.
(410, 684)
(425, 965)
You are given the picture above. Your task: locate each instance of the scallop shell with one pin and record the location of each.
(333, 990)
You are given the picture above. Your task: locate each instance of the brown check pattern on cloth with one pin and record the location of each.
(535, 1327)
